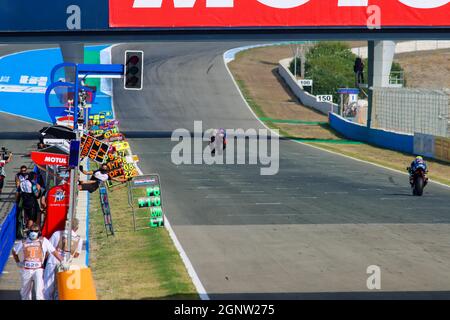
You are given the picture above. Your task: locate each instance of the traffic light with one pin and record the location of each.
(134, 70)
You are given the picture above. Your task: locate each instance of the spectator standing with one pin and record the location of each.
(21, 176)
(358, 68)
(30, 191)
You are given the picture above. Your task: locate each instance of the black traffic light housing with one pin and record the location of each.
(134, 70)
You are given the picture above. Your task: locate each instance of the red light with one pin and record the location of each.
(133, 60)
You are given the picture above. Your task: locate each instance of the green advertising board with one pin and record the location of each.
(145, 198)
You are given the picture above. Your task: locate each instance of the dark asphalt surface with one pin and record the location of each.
(187, 82)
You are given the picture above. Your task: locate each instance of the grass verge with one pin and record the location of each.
(134, 265)
(256, 75)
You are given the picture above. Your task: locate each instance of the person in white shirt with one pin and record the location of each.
(59, 240)
(33, 249)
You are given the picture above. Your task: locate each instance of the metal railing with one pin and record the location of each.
(397, 78)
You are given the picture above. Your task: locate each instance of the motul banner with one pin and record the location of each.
(278, 13)
(49, 159)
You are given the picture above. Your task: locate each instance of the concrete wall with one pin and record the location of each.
(384, 56)
(305, 98)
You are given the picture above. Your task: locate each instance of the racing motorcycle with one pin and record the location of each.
(418, 180)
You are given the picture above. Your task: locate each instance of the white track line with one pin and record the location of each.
(184, 257)
(316, 147)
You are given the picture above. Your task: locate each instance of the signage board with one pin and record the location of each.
(325, 98)
(305, 82)
(49, 159)
(348, 91)
(146, 200)
(99, 119)
(94, 149)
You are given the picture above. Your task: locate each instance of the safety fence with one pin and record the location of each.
(7, 237)
(382, 138)
(412, 110)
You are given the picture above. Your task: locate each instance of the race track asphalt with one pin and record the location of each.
(311, 231)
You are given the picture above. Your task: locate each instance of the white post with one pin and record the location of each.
(295, 63)
(73, 201)
(72, 204)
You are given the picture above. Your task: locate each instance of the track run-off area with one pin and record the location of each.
(310, 231)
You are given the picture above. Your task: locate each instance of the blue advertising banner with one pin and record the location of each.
(51, 15)
(24, 78)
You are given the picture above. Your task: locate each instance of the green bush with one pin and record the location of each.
(330, 66)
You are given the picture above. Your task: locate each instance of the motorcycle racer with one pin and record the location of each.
(417, 163)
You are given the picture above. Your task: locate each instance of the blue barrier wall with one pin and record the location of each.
(381, 138)
(7, 237)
